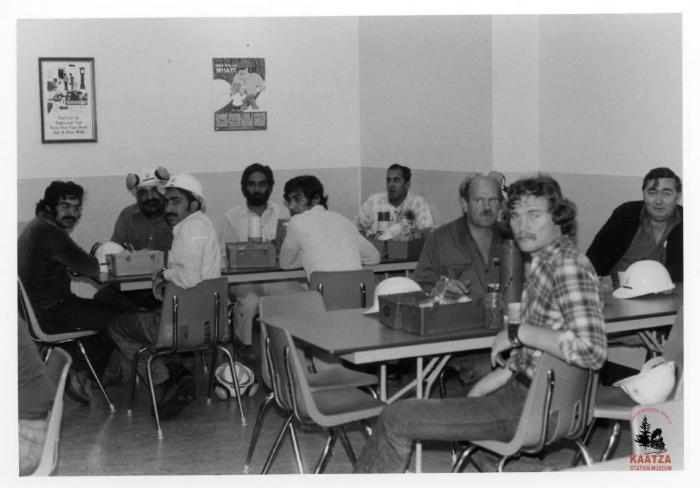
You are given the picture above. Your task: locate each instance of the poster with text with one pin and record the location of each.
(67, 88)
(237, 88)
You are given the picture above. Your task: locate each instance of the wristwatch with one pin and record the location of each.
(513, 335)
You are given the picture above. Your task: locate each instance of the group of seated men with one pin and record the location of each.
(561, 305)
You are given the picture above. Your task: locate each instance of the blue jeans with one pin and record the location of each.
(494, 416)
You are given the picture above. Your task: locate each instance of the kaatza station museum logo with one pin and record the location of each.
(651, 453)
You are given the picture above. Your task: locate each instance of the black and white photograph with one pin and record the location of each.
(433, 242)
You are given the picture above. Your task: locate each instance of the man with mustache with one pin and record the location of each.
(397, 200)
(561, 314)
(258, 212)
(46, 256)
(651, 228)
(463, 251)
(194, 257)
(141, 225)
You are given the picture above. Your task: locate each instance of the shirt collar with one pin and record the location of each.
(551, 250)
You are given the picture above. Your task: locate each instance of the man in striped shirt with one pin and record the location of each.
(561, 315)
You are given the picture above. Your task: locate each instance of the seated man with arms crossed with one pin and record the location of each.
(561, 315)
(194, 257)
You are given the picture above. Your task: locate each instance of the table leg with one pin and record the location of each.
(382, 382)
(419, 394)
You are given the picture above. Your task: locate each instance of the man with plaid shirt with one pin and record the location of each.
(561, 315)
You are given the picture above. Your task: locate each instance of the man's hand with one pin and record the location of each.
(158, 285)
(501, 343)
(491, 382)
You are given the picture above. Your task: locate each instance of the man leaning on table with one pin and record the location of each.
(561, 315)
(261, 216)
(317, 238)
(193, 258)
(651, 228)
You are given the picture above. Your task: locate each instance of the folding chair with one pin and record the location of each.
(614, 404)
(558, 406)
(57, 367)
(51, 340)
(330, 375)
(192, 319)
(330, 409)
(343, 289)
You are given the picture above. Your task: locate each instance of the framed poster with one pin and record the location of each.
(237, 86)
(67, 88)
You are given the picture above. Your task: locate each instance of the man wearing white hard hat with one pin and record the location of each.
(194, 257)
(560, 314)
(142, 225)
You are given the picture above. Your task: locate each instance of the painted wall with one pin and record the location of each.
(594, 100)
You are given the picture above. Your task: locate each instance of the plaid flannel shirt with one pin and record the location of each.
(562, 293)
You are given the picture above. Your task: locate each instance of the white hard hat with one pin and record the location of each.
(653, 384)
(146, 178)
(392, 286)
(245, 375)
(103, 250)
(644, 277)
(185, 181)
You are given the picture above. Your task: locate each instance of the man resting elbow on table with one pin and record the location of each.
(561, 315)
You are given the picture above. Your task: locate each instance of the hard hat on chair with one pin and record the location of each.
(653, 384)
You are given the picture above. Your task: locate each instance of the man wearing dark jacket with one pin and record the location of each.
(648, 229)
(46, 254)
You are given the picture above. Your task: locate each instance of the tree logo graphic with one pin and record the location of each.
(650, 440)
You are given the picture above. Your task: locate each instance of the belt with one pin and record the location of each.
(523, 379)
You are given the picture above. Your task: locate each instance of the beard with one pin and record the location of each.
(257, 199)
(151, 208)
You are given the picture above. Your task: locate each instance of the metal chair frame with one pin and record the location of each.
(214, 343)
(52, 340)
(535, 430)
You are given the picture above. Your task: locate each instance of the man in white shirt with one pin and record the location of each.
(402, 206)
(318, 239)
(256, 219)
(195, 256)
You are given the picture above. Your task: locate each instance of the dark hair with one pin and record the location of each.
(55, 192)
(309, 186)
(662, 172)
(404, 169)
(562, 209)
(256, 168)
(467, 182)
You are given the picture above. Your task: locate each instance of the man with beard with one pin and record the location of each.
(45, 256)
(400, 204)
(257, 183)
(141, 225)
(194, 257)
(463, 251)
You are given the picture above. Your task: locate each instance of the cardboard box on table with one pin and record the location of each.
(251, 254)
(403, 311)
(135, 263)
(408, 249)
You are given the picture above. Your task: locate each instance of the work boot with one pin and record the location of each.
(78, 387)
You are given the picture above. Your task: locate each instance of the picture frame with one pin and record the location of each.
(67, 95)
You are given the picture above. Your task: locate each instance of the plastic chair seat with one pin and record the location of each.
(613, 403)
(344, 406)
(334, 377)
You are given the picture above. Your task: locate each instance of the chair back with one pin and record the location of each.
(57, 368)
(559, 404)
(673, 351)
(343, 289)
(194, 318)
(276, 305)
(288, 373)
(27, 311)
